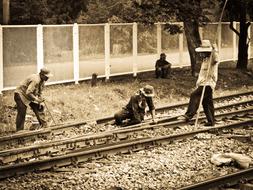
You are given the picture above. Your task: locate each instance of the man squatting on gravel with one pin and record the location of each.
(135, 109)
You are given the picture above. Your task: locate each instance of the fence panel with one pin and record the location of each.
(170, 46)
(226, 52)
(186, 57)
(118, 47)
(19, 54)
(147, 47)
(237, 40)
(121, 48)
(209, 32)
(91, 50)
(58, 52)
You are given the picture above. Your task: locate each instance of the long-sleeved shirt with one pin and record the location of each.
(32, 84)
(162, 63)
(211, 79)
(137, 105)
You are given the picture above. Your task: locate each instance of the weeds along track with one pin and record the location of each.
(165, 114)
(126, 140)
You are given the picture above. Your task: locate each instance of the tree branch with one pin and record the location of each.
(233, 29)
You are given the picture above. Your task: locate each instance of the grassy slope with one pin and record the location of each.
(71, 102)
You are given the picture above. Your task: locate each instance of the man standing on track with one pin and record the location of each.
(29, 93)
(135, 109)
(209, 58)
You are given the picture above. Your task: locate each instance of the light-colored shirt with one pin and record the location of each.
(32, 84)
(211, 79)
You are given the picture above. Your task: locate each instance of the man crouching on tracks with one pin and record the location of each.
(207, 52)
(29, 93)
(135, 109)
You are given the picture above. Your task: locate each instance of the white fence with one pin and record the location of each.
(74, 52)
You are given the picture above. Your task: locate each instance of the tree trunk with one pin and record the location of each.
(193, 41)
(242, 62)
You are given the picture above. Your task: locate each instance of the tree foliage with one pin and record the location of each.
(193, 13)
(241, 10)
(46, 11)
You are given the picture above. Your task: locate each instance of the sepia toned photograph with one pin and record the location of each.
(126, 94)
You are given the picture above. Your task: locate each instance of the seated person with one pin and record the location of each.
(162, 67)
(135, 109)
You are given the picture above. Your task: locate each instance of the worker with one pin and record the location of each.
(28, 93)
(135, 109)
(205, 79)
(162, 67)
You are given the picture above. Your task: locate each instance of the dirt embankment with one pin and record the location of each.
(71, 102)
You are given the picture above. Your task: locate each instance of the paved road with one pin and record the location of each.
(64, 70)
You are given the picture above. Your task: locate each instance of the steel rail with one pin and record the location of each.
(226, 180)
(30, 136)
(13, 137)
(50, 148)
(99, 152)
(163, 108)
(26, 136)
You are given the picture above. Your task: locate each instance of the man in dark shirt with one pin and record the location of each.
(135, 109)
(162, 67)
(28, 93)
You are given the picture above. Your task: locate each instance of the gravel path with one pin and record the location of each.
(167, 167)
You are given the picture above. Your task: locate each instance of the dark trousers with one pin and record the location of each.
(162, 72)
(207, 103)
(21, 108)
(126, 114)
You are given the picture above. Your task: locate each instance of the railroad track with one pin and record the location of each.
(101, 151)
(79, 149)
(48, 133)
(241, 177)
(182, 105)
(67, 145)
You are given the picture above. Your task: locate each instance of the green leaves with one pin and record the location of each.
(46, 11)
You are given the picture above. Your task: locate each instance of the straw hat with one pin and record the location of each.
(205, 46)
(46, 72)
(148, 91)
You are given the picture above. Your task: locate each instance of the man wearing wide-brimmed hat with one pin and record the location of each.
(135, 109)
(28, 93)
(207, 77)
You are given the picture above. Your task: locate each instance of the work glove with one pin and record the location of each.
(39, 100)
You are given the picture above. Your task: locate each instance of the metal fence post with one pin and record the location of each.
(1, 61)
(6, 11)
(201, 32)
(219, 39)
(181, 46)
(249, 48)
(159, 39)
(107, 51)
(234, 42)
(76, 52)
(135, 49)
(40, 48)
